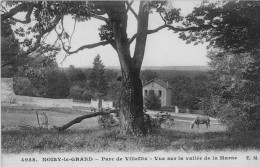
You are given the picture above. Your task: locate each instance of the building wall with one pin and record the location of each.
(156, 87)
(105, 104)
(169, 97)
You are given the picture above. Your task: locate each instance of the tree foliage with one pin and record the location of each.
(57, 84)
(76, 92)
(76, 76)
(148, 75)
(187, 92)
(234, 44)
(234, 90)
(9, 48)
(23, 86)
(152, 101)
(49, 82)
(98, 83)
(236, 25)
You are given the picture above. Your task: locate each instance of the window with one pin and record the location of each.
(145, 92)
(160, 93)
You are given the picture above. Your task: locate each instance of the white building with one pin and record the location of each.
(105, 104)
(161, 88)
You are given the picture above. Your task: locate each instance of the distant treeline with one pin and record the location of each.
(72, 82)
(165, 74)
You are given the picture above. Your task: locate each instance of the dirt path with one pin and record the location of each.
(181, 117)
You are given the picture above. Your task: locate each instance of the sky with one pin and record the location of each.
(163, 48)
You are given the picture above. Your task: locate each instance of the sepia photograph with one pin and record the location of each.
(130, 83)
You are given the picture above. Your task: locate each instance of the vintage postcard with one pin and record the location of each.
(130, 83)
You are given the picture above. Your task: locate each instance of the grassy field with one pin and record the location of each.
(13, 117)
(87, 136)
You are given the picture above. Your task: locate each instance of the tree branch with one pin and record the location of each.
(27, 17)
(203, 27)
(20, 8)
(96, 12)
(113, 44)
(132, 10)
(75, 22)
(37, 43)
(132, 39)
(101, 18)
(79, 119)
(90, 46)
(141, 36)
(162, 18)
(128, 6)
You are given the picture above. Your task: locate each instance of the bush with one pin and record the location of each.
(23, 86)
(106, 121)
(152, 101)
(8, 72)
(42, 82)
(240, 119)
(87, 95)
(76, 92)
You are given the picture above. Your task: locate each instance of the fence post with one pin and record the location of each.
(38, 118)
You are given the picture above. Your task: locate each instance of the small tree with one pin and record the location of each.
(98, 83)
(152, 101)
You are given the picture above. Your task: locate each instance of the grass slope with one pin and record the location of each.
(98, 140)
(86, 136)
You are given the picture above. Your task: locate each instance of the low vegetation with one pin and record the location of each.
(88, 136)
(99, 140)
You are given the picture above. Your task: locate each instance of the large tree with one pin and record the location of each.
(234, 90)
(206, 23)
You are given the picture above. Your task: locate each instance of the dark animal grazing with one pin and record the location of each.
(200, 120)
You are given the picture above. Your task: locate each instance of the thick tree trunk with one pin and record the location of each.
(131, 112)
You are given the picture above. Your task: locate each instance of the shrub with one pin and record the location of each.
(43, 82)
(152, 101)
(106, 121)
(76, 92)
(87, 95)
(240, 119)
(23, 86)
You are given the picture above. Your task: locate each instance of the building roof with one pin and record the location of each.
(160, 82)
